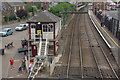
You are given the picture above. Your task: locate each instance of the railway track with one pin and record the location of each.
(104, 66)
(84, 56)
(73, 67)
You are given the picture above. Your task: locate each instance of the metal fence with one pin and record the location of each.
(112, 24)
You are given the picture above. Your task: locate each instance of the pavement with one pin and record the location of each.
(12, 52)
(14, 72)
(110, 38)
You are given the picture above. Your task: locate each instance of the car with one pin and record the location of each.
(6, 32)
(113, 7)
(109, 17)
(108, 8)
(21, 27)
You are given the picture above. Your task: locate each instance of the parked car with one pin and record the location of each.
(109, 17)
(6, 32)
(113, 7)
(108, 8)
(21, 27)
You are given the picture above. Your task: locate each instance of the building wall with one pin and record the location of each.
(48, 35)
(57, 28)
(0, 18)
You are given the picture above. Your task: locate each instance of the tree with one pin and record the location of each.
(30, 8)
(21, 13)
(39, 6)
(62, 7)
(35, 8)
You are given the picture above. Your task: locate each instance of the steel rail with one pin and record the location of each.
(96, 61)
(70, 51)
(106, 57)
(80, 51)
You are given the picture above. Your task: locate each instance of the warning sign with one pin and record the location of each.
(38, 31)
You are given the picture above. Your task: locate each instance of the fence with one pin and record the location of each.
(112, 24)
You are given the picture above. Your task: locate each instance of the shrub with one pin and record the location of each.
(6, 18)
(21, 13)
(12, 18)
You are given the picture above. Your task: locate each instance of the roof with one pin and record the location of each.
(45, 16)
(5, 8)
(6, 28)
(16, 3)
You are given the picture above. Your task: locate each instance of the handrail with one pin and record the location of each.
(35, 61)
(38, 70)
(45, 53)
(26, 63)
(40, 46)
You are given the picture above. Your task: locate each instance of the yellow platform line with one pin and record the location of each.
(107, 33)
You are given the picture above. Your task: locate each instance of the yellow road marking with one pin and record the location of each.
(107, 33)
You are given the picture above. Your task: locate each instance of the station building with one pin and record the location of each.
(44, 26)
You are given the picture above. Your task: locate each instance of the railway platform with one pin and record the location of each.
(112, 42)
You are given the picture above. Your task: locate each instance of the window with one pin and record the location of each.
(19, 7)
(33, 26)
(51, 47)
(14, 9)
(44, 28)
(23, 7)
(48, 28)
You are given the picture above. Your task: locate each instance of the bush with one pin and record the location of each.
(21, 13)
(12, 18)
(6, 18)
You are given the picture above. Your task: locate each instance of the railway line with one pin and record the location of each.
(73, 67)
(84, 55)
(104, 65)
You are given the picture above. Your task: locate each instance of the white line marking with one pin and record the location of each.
(100, 33)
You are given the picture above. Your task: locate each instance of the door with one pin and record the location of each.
(39, 31)
(34, 50)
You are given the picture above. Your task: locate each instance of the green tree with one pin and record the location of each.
(35, 8)
(62, 7)
(39, 7)
(30, 8)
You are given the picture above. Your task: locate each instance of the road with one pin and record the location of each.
(12, 52)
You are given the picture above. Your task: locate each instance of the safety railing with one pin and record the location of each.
(35, 61)
(40, 46)
(37, 71)
(45, 53)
